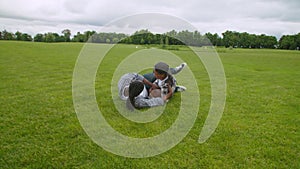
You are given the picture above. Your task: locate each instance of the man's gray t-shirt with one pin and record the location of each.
(142, 102)
(125, 81)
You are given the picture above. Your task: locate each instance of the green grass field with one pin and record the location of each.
(39, 127)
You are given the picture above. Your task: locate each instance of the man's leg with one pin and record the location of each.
(177, 69)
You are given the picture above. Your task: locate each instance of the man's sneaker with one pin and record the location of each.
(126, 92)
(178, 68)
(180, 88)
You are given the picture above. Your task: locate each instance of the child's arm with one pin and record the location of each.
(169, 94)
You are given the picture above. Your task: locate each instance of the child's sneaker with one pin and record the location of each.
(180, 88)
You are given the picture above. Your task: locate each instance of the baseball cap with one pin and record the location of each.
(162, 66)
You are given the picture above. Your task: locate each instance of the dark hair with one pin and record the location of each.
(161, 72)
(135, 88)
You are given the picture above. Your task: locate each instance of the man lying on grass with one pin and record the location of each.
(161, 86)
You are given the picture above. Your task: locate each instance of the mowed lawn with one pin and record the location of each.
(39, 127)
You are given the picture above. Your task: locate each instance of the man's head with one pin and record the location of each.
(135, 88)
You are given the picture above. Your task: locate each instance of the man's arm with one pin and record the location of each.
(153, 86)
(151, 102)
(145, 81)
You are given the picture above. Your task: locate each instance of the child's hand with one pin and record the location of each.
(165, 98)
(154, 86)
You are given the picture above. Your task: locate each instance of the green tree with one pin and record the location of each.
(115, 40)
(172, 33)
(297, 40)
(268, 41)
(142, 41)
(87, 35)
(186, 37)
(7, 35)
(161, 41)
(26, 37)
(245, 41)
(49, 37)
(288, 42)
(78, 37)
(39, 37)
(67, 34)
(215, 40)
(149, 38)
(167, 40)
(142, 31)
(18, 35)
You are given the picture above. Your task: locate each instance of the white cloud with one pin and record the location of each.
(273, 17)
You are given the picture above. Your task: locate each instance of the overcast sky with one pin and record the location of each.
(271, 17)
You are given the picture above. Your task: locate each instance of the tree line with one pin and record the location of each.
(142, 37)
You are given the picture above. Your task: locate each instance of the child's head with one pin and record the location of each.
(155, 93)
(161, 70)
